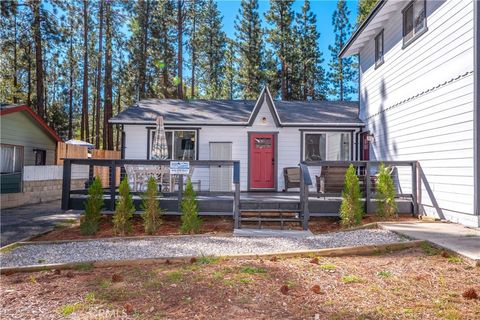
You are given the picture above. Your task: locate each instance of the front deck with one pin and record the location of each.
(247, 206)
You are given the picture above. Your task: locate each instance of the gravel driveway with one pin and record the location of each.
(181, 246)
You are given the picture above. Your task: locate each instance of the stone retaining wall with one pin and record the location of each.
(37, 192)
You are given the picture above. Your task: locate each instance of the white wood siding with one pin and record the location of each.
(419, 105)
(288, 144)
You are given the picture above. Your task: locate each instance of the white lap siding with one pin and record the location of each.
(288, 146)
(419, 106)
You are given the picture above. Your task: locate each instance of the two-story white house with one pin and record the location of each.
(418, 93)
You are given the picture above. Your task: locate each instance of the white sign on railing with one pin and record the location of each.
(179, 167)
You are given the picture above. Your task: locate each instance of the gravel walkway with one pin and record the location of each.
(176, 246)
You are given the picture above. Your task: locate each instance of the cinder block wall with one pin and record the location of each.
(37, 192)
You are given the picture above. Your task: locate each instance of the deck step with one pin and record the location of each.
(258, 219)
(270, 210)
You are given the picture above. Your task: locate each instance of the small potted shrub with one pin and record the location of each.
(152, 215)
(191, 222)
(90, 222)
(124, 209)
(385, 194)
(351, 209)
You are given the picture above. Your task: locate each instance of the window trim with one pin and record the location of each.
(173, 130)
(379, 62)
(417, 35)
(44, 158)
(326, 133)
(14, 159)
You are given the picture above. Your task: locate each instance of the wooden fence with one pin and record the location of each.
(70, 151)
(103, 172)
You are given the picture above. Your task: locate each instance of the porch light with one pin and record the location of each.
(370, 137)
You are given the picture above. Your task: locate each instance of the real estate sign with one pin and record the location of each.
(179, 167)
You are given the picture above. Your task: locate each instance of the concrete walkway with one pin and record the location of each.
(460, 239)
(27, 221)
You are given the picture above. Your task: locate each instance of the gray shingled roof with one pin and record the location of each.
(237, 112)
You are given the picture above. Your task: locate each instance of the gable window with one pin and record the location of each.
(40, 157)
(379, 49)
(326, 146)
(181, 144)
(414, 21)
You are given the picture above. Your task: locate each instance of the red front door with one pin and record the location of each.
(262, 161)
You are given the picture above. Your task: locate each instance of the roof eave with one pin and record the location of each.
(360, 29)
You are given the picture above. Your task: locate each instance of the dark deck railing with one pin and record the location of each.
(363, 167)
(114, 164)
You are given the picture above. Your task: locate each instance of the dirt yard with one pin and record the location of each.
(422, 283)
(171, 226)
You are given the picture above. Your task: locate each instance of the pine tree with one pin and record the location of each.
(124, 209)
(312, 79)
(108, 90)
(152, 213)
(191, 222)
(280, 16)
(230, 78)
(84, 127)
(364, 8)
(211, 58)
(343, 71)
(351, 209)
(385, 191)
(249, 41)
(90, 222)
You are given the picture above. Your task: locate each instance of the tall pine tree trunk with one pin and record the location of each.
(194, 52)
(119, 132)
(107, 127)
(99, 77)
(84, 132)
(15, 81)
(70, 89)
(38, 59)
(180, 20)
(142, 66)
(29, 75)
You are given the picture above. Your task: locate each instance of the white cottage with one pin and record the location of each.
(266, 136)
(419, 84)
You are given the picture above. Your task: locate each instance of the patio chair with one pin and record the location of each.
(331, 179)
(291, 176)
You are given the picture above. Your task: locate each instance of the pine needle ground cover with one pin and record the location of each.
(410, 284)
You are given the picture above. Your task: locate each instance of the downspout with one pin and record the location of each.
(476, 109)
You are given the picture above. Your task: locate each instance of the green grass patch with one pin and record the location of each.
(175, 276)
(9, 248)
(428, 249)
(351, 279)
(455, 259)
(90, 297)
(328, 266)
(68, 309)
(208, 260)
(84, 266)
(384, 274)
(246, 280)
(253, 270)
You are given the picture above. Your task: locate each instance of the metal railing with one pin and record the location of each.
(117, 167)
(364, 169)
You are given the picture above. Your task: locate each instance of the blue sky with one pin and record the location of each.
(323, 9)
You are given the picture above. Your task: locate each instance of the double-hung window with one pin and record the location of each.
(379, 49)
(181, 144)
(414, 21)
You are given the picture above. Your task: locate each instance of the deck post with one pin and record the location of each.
(368, 187)
(67, 175)
(180, 191)
(305, 182)
(236, 202)
(306, 211)
(414, 188)
(113, 179)
(90, 175)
